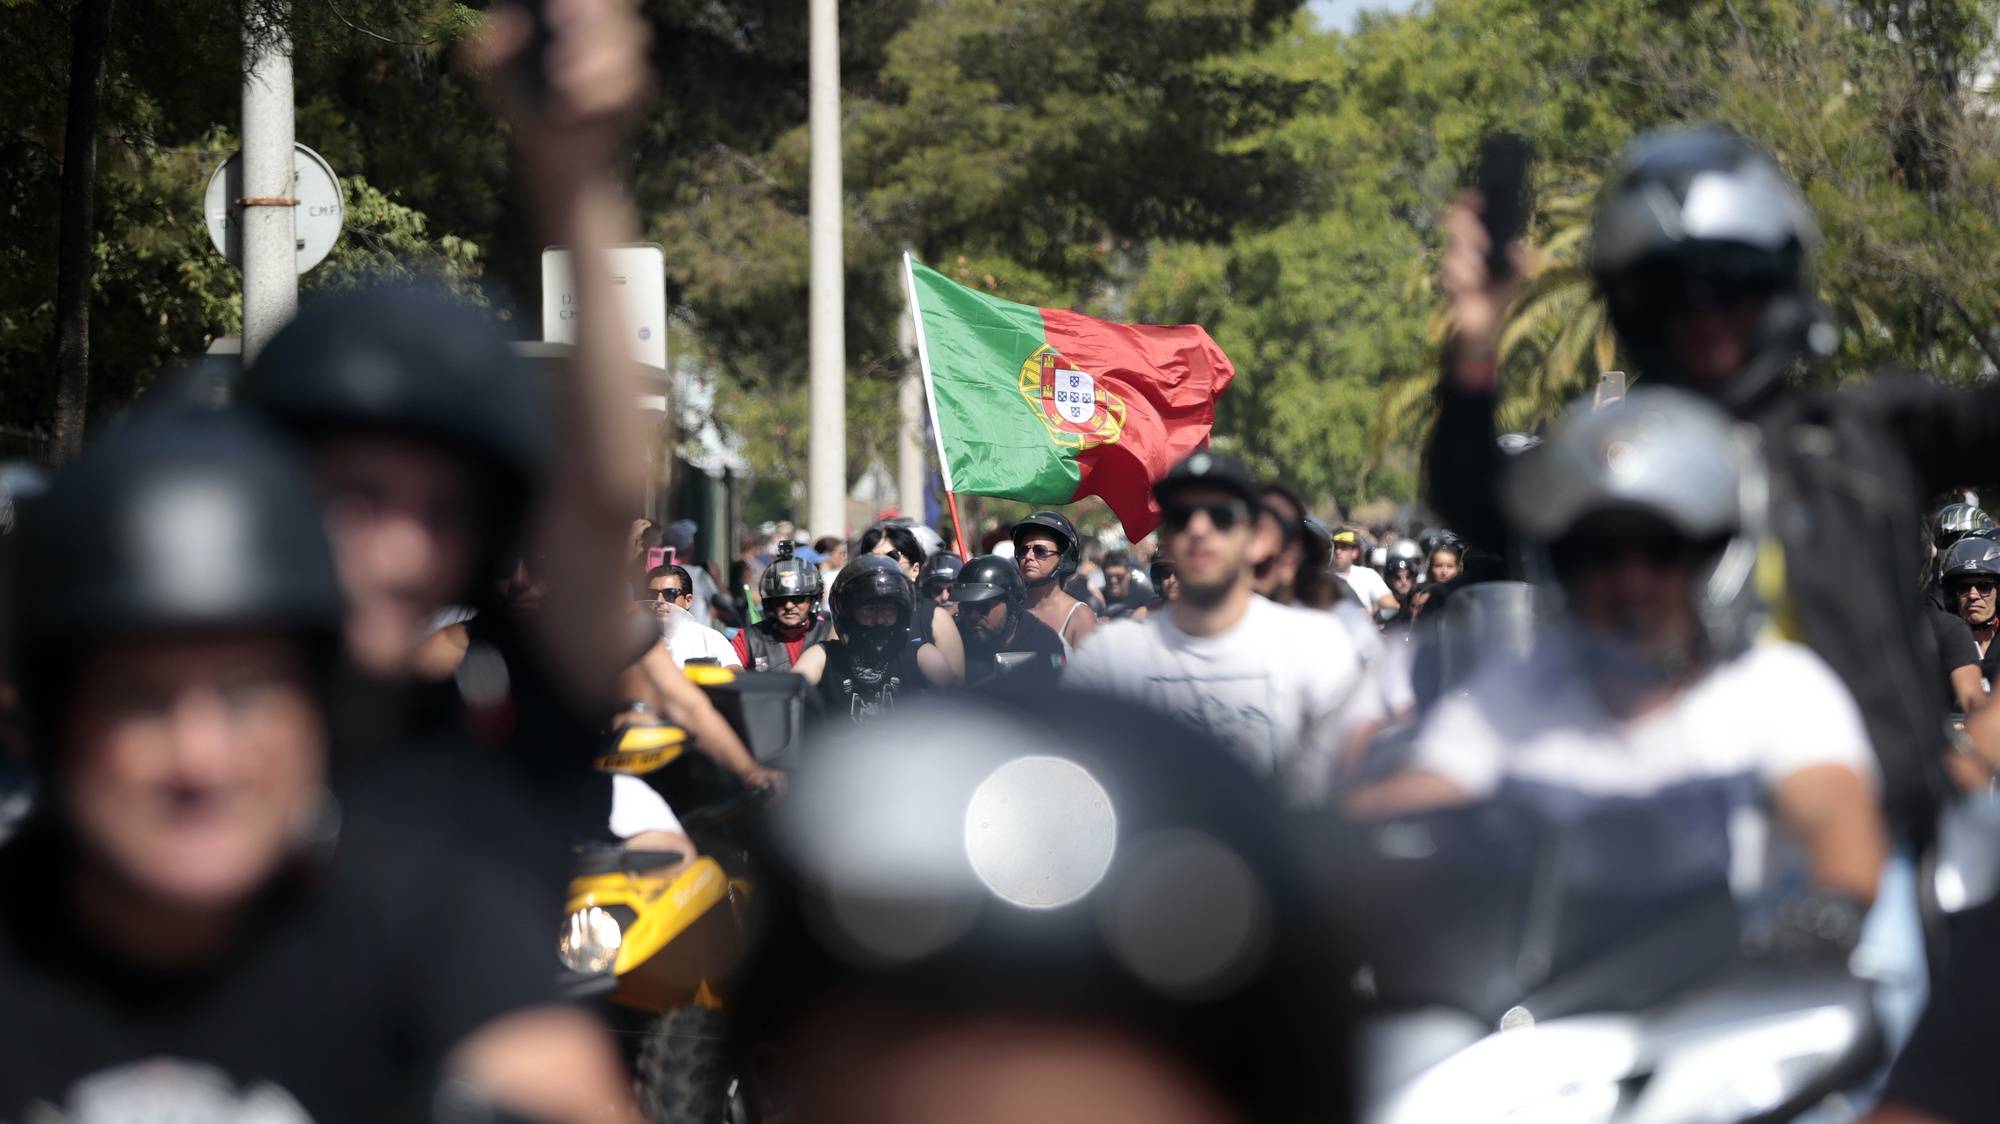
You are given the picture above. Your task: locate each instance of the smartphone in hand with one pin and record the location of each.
(1504, 160)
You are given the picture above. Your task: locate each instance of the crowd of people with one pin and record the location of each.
(303, 694)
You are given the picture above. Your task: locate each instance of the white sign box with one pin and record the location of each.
(639, 273)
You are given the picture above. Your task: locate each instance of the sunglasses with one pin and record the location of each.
(1982, 586)
(1038, 550)
(671, 593)
(801, 599)
(1225, 515)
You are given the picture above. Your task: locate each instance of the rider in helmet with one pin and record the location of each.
(1645, 512)
(940, 570)
(1048, 552)
(790, 593)
(1121, 593)
(202, 867)
(1001, 637)
(931, 623)
(1702, 249)
(1971, 580)
(440, 462)
(869, 661)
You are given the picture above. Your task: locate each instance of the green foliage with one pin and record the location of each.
(1334, 320)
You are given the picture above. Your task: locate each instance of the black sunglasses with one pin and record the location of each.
(1224, 515)
(671, 593)
(1974, 585)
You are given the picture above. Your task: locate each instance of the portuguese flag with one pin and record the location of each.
(1049, 406)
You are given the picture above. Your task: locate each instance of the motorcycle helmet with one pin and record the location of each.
(1067, 861)
(1409, 551)
(788, 576)
(991, 577)
(928, 538)
(867, 579)
(1058, 525)
(1377, 557)
(1436, 540)
(413, 363)
(1662, 453)
(940, 570)
(1698, 219)
(1954, 521)
(1969, 557)
(189, 522)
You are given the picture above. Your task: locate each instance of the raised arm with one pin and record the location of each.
(568, 145)
(1462, 463)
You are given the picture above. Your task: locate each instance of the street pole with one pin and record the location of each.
(910, 464)
(270, 240)
(826, 483)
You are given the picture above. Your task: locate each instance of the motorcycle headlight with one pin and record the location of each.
(589, 941)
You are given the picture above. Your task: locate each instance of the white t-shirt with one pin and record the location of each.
(1771, 712)
(1533, 732)
(1366, 583)
(637, 807)
(1285, 687)
(688, 639)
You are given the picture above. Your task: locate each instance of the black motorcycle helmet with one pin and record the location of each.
(1954, 521)
(940, 570)
(190, 522)
(1056, 523)
(788, 576)
(414, 363)
(872, 577)
(990, 577)
(1062, 861)
(1972, 556)
(1694, 219)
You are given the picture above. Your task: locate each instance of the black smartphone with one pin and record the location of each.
(1504, 159)
(532, 73)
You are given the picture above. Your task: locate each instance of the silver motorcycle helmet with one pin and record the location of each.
(1694, 219)
(1669, 455)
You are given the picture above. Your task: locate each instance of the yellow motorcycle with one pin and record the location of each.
(656, 933)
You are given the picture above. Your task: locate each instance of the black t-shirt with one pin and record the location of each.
(1955, 648)
(849, 690)
(1032, 639)
(341, 999)
(1947, 1069)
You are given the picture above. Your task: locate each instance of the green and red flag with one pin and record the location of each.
(1048, 406)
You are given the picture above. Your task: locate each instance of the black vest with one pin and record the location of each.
(767, 647)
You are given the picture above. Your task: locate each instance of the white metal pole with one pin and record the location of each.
(270, 240)
(911, 412)
(826, 487)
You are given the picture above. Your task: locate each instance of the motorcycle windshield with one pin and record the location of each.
(1600, 907)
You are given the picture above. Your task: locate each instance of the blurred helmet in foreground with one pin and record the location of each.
(1081, 888)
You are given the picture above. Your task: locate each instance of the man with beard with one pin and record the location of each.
(1001, 638)
(1283, 686)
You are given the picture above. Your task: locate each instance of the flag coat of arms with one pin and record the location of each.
(1048, 406)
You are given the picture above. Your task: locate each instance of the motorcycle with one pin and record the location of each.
(1523, 975)
(654, 934)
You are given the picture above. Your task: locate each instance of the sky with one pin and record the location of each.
(1340, 13)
